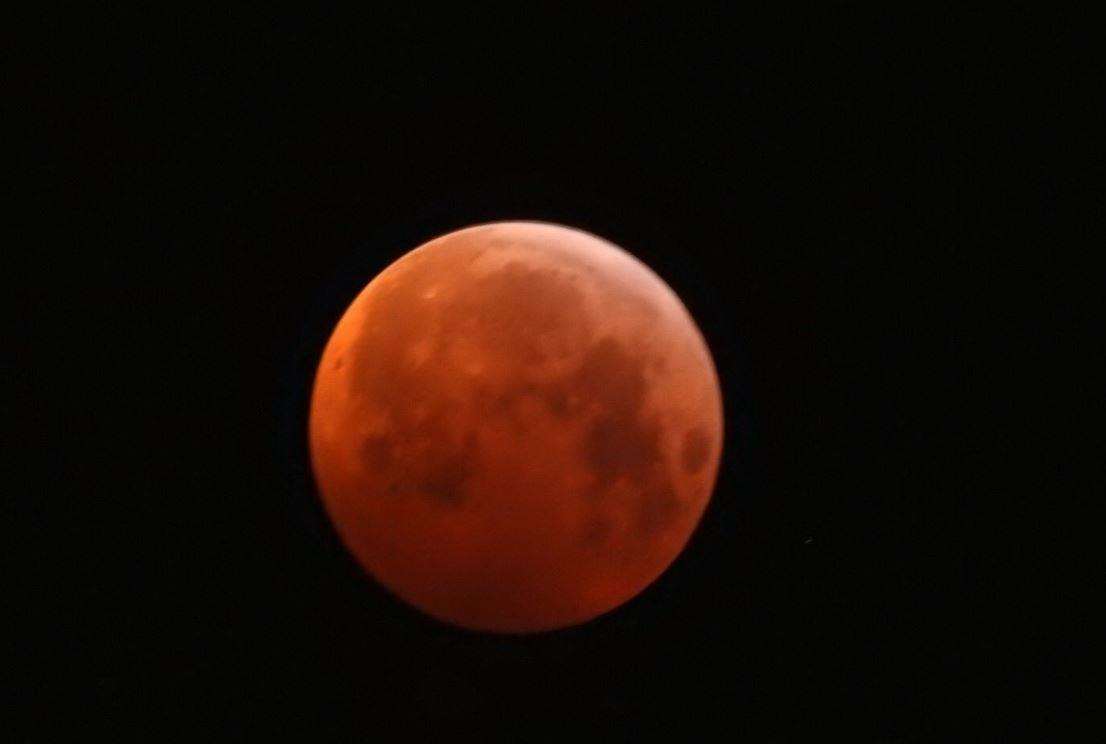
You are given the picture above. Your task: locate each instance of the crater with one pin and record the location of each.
(444, 474)
(621, 441)
(659, 507)
(597, 532)
(377, 453)
(695, 450)
(620, 445)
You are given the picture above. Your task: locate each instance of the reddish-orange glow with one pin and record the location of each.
(516, 427)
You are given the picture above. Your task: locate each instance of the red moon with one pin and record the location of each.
(515, 427)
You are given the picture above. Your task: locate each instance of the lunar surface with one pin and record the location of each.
(516, 427)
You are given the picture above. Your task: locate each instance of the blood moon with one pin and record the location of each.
(515, 427)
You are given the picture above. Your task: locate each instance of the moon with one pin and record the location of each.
(515, 427)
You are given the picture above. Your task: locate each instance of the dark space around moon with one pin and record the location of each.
(228, 193)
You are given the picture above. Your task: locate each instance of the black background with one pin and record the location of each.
(226, 186)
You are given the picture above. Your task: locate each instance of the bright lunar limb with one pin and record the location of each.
(515, 427)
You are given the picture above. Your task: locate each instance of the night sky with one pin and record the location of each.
(228, 185)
